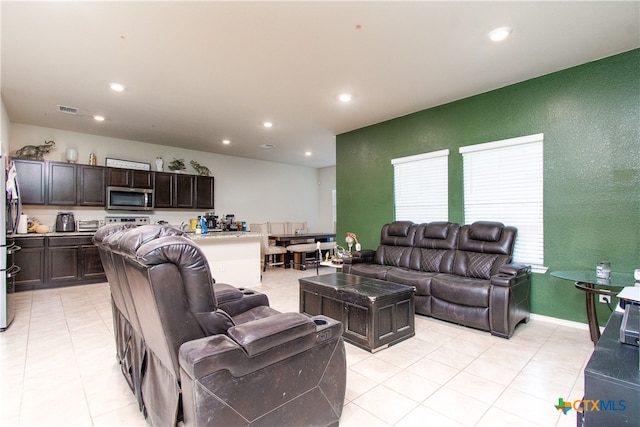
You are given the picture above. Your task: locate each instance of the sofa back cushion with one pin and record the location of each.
(434, 247)
(483, 247)
(396, 243)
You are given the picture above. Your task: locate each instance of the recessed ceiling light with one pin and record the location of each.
(98, 118)
(116, 87)
(307, 153)
(499, 34)
(267, 124)
(226, 141)
(344, 97)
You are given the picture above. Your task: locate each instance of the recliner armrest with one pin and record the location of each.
(511, 274)
(204, 356)
(264, 334)
(364, 256)
(225, 293)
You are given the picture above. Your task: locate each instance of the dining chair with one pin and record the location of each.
(272, 255)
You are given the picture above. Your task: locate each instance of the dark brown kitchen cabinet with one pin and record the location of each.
(129, 178)
(73, 260)
(174, 190)
(204, 192)
(185, 186)
(31, 177)
(62, 261)
(61, 183)
(91, 186)
(54, 261)
(164, 190)
(31, 259)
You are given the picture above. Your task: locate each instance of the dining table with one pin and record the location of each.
(289, 239)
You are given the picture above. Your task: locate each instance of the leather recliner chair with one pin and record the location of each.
(217, 355)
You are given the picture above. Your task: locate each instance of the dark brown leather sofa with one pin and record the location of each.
(462, 274)
(210, 354)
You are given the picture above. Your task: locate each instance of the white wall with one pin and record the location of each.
(4, 129)
(253, 190)
(326, 185)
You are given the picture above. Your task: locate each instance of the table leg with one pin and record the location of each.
(592, 316)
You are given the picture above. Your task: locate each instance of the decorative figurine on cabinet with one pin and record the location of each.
(202, 170)
(35, 151)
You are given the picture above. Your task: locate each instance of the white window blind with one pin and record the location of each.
(421, 187)
(503, 181)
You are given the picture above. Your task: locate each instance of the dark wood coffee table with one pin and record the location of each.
(375, 313)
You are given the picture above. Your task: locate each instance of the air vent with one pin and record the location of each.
(68, 110)
(267, 146)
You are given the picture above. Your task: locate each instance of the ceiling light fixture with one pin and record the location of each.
(117, 87)
(500, 34)
(307, 153)
(226, 141)
(98, 118)
(344, 97)
(267, 124)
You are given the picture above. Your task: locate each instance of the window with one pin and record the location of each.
(421, 187)
(503, 182)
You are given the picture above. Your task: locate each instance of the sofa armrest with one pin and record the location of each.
(364, 256)
(511, 274)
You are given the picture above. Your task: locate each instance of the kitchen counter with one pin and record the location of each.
(54, 234)
(224, 235)
(234, 256)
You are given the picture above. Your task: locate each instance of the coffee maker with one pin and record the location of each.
(212, 220)
(230, 223)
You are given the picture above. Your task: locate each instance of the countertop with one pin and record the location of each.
(192, 236)
(224, 235)
(55, 234)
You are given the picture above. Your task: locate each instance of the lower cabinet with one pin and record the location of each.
(49, 262)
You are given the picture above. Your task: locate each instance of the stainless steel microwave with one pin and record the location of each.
(129, 199)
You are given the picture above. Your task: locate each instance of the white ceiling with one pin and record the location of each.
(199, 72)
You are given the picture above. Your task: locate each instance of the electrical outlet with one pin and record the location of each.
(221, 267)
(604, 298)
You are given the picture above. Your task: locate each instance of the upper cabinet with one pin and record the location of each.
(129, 178)
(68, 184)
(91, 185)
(62, 184)
(204, 192)
(31, 179)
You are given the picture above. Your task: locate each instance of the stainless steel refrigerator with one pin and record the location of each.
(11, 207)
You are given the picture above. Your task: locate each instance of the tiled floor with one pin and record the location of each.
(58, 367)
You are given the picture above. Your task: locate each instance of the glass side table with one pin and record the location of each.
(591, 285)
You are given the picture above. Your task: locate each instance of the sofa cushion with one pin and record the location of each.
(432, 260)
(437, 235)
(478, 265)
(461, 290)
(393, 256)
(487, 231)
(398, 233)
(418, 279)
(375, 271)
(487, 237)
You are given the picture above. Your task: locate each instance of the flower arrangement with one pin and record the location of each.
(351, 237)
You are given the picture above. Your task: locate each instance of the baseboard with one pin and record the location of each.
(561, 322)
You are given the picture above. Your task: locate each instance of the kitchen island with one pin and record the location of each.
(234, 256)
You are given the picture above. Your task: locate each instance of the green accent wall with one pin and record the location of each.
(590, 117)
